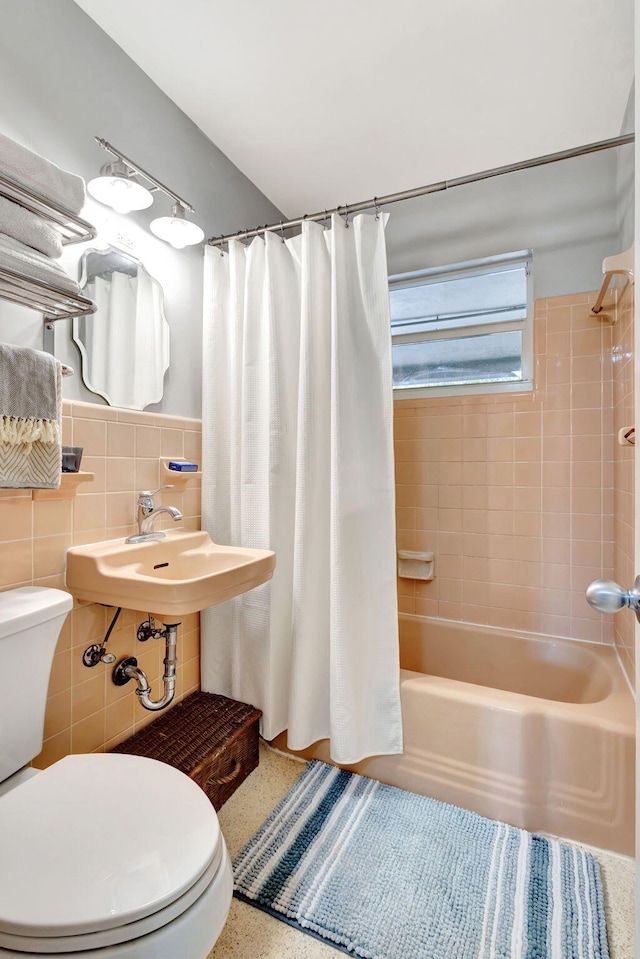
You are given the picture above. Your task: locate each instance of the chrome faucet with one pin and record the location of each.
(147, 514)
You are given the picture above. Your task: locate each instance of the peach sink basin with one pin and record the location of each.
(183, 573)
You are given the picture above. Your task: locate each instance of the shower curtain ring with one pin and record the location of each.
(281, 231)
(376, 207)
(346, 215)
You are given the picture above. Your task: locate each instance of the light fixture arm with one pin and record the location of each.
(143, 173)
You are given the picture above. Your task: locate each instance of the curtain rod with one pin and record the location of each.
(439, 187)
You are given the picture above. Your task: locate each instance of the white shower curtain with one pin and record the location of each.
(298, 458)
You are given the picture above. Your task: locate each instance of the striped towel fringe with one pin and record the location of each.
(20, 431)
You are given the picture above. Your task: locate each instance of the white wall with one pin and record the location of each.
(566, 212)
(64, 81)
(625, 180)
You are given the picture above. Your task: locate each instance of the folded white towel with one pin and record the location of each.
(29, 229)
(22, 259)
(40, 175)
(30, 419)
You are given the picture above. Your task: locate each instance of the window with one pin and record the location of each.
(466, 328)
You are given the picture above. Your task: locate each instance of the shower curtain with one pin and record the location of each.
(298, 458)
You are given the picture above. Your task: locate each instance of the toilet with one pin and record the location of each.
(103, 856)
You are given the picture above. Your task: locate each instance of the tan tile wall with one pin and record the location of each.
(513, 492)
(624, 571)
(85, 711)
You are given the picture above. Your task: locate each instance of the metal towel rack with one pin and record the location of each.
(72, 228)
(53, 302)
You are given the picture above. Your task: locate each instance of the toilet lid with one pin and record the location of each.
(97, 841)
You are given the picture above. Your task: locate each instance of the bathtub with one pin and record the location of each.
(532, 730)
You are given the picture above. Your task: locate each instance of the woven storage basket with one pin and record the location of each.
(214, 740)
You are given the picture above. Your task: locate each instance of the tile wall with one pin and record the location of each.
(624, 571)
(85, 711)
(523, 497)
(514, 492)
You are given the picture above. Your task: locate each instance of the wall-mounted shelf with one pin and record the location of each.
(56, 304)
(68, 486)
(622, 264)
(176, 477)
(72, 228)
(67, 490)
(53, 302)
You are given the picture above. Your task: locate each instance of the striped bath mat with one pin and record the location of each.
(385, 874)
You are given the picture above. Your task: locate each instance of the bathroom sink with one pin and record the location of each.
(182, 573)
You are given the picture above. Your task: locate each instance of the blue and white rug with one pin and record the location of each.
(385, 874)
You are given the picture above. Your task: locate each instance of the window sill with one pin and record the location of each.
(473, 389)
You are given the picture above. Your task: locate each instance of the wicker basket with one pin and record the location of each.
(214, 740)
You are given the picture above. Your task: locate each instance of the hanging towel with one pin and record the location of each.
(29, 229)
(22, 259)
(31, 170)
(30, 419)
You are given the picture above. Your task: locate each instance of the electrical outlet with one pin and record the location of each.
(124, 240)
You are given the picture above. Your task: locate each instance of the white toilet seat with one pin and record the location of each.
(109, 937)
(103, 849)
(190, 936)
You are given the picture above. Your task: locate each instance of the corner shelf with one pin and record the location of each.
(177, 478)
(68, 486)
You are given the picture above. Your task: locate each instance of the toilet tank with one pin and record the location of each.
(31, 618)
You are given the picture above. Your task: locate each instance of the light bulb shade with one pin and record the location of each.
(120, 193)
(177, 231)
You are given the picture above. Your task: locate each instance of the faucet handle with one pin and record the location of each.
(145, 499)
(146, 492)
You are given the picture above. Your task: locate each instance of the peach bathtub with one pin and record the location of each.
(535, 731)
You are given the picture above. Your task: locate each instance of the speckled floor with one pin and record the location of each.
(251, 934)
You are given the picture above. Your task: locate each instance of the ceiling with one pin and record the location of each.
(326, 102)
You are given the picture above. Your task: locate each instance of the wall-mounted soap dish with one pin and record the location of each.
(413, 565)
(176, 476)
(627, 436)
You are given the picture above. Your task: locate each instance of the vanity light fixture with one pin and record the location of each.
(176, 229)
(116, 188)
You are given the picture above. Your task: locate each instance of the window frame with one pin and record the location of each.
(525, 325)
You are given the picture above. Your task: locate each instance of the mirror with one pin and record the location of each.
(125, 343)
